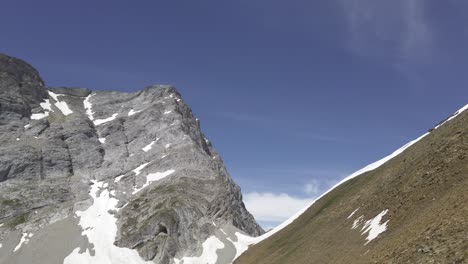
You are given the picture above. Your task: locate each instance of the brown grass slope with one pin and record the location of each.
(425, 190)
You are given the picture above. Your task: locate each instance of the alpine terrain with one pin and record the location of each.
(109, 177)
(129, 178)
(409, 207)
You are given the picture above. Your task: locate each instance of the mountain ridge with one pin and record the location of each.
(123, 177)
(441, 163)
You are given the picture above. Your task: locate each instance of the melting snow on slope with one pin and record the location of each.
(88, 106)
(139, 168)
(54, 95)
(157, 176)
(97, 122)
(351, 215)
(47, 109)
(150, 145)
(46, 105)
(24, 240)
(153, 177)
(61, 105)
(100, 228)
(39, 115)
(208, 255)
(132, 112)
(242, 243)
(118, 178)
(357, 222)
(372, 226)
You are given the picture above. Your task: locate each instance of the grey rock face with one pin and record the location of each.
(73, 91)
(144, 149)
(21, 88)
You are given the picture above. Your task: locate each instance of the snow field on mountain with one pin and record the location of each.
(100, 227)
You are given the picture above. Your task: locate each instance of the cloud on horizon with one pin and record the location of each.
(270, 207)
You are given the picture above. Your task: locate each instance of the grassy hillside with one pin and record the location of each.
(425, 190)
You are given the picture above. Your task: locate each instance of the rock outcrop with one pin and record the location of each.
(122, 177)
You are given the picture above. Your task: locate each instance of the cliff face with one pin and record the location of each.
(109, 177)
(411, 207)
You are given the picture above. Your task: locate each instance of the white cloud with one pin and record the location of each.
(392, 30)
(273, 207)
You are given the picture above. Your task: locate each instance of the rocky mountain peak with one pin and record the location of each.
(123, 177)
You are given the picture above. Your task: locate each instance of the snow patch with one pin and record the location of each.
(46, 105)
(54, 95)
(39, 115)
(208, 256)
(64, 108)
(351, 215)
(373, 227)
(357, 222)
(61, 105)
(167, 145)
(153, 177)
(139, 168)
(102, 140)
(158, 176)
(98, 122)
(89, 107)
(132, 112)
(118, 178)
(47, 109)
(101, 229)
(167, 112)
(242, 243)
(24, 240)
(150, 145)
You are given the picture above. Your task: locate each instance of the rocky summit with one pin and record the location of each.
(110, 177)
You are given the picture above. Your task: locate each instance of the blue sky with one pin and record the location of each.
(293, 94)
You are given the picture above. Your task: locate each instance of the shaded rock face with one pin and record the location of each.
(143, 150)
(21, 88)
